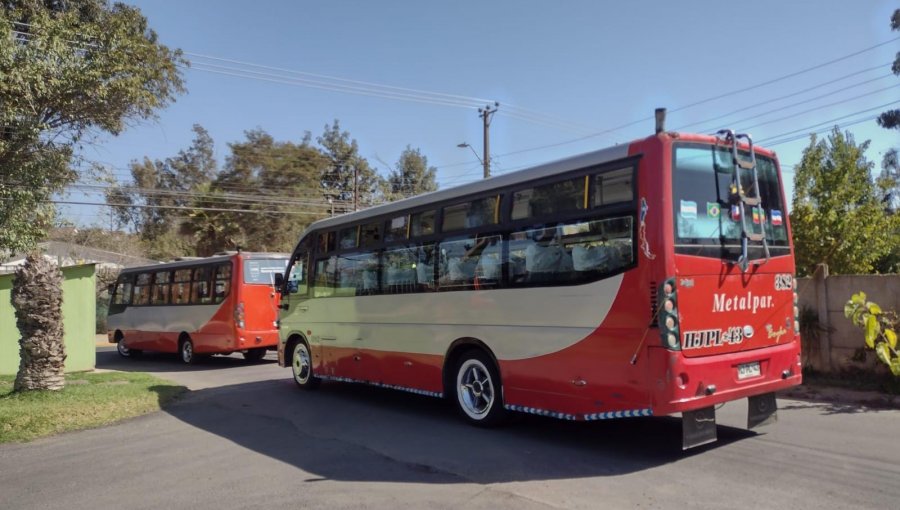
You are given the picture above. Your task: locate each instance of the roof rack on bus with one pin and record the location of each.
(753, 199)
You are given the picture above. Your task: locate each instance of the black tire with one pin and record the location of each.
(186, 352)
(478, 391)
(255, 355)
(301, 367)
(123, 350)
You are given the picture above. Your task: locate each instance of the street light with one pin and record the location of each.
(464, 145)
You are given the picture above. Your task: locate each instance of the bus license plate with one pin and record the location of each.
(748, 370)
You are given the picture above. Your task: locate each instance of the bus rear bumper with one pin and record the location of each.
(244, 339)
(689, 384)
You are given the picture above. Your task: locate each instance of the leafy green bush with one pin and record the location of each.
(880, 328)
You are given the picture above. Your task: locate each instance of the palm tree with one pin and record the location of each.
(37, 299)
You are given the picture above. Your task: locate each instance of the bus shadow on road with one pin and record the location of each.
(158, 362)
(351, 432)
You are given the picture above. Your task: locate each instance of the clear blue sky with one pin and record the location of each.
(582, 66)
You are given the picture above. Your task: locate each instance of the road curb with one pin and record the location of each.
(831, 395)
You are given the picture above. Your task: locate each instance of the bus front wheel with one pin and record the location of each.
(478, 391)
(301, 366)
(123, 350)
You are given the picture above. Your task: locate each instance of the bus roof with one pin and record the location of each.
(195, 261)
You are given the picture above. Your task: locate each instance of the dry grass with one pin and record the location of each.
(88, 400)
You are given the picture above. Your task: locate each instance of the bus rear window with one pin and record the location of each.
(707, 220)
(262, 271)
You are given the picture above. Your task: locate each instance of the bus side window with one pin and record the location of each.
(200, 294)
(160, 295)
(181, 287)
(297, 283)
(123, 291)
(326, 273)
(470, 262)
(223, 282)
(142, 289)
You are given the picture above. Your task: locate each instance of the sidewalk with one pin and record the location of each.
(829, 394)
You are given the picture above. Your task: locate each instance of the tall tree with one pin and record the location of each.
(891, 118)
(838, 217)
(347, 171)
(161, 193)
(68, 71)
(411, 175)
(262, 175)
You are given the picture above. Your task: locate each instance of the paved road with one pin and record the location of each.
(246, 438)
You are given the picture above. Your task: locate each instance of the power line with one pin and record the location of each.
(809, 89)
(703, 101)
(186, 208)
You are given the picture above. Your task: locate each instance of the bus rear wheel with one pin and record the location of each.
(255, 355)
(478, 390)
(186, 351)
(301, 367)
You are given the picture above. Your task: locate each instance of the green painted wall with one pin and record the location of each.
(79, 316)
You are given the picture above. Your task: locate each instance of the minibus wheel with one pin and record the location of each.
(302, 367)
(186, 351)
(479, 396)
(122, 349)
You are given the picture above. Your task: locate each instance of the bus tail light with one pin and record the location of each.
(668, 316)
(239, 315)
(796, 309)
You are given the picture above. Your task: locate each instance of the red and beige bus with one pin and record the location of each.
(647, 279)
(195, 307)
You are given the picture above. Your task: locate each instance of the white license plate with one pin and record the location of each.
(748, 370)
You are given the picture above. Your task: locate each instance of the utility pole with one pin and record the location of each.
(486, 114)
(355, 187)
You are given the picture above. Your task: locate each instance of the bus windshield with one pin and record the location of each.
(262, 271)
(706, 222)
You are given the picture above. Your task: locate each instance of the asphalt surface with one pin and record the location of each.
(245, 437)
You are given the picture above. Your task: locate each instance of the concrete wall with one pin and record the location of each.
(839, 339)
(79, 315)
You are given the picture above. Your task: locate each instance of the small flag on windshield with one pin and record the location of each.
(776, 218)
(688, 209)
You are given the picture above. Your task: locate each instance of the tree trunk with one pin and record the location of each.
(37, 299)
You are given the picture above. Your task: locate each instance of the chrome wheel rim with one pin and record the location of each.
(301, 364)
(476, 393)
(187, 351)
(120, 346)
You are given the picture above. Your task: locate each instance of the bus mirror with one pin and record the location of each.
(110, 288)
(279, 280)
